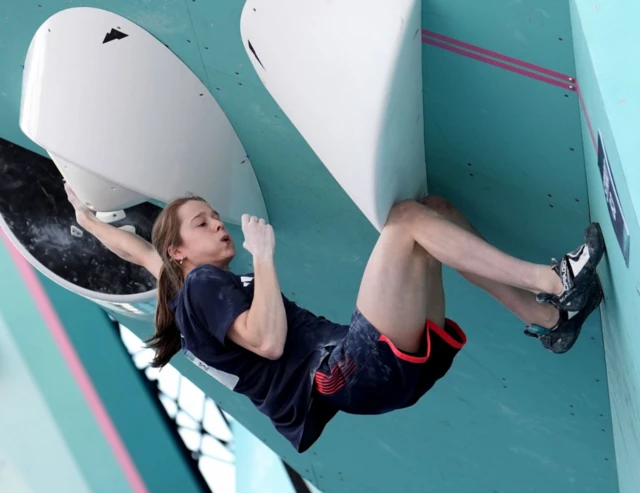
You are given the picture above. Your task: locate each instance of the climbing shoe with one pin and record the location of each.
(564, 335)
(577, 270)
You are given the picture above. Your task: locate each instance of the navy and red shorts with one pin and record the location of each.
(366, 374)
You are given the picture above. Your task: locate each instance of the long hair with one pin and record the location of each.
(165, 234)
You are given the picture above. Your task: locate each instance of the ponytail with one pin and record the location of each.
(166, 233)
(166, 339)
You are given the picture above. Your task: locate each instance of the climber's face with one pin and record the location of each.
(205, 240)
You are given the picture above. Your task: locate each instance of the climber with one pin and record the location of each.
(301, 369)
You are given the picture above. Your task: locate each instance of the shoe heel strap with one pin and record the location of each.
(536, 330)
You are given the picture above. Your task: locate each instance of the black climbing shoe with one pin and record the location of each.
(565, 334)
(576, 270)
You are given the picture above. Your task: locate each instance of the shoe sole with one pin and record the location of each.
(590, 306)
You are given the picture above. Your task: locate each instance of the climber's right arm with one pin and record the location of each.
(126, 245)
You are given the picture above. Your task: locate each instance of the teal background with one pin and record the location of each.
(124, 393)
(122, 390)
(257, 467)
(512, 153)
(603, 40)
(58, 389)
(26, 423)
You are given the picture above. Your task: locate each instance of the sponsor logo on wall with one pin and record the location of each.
(613, 200)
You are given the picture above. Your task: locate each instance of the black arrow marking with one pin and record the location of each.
(114, 34)
(255, 54)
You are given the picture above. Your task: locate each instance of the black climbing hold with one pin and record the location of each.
(35, 206)
(114, 34)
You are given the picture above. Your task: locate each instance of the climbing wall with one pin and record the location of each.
(602, 40)
(504, 142)
(63, 377)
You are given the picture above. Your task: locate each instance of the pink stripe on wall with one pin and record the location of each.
(476, 56)
(78, 371)
(587, 119)
(499, 56)
(532, 71)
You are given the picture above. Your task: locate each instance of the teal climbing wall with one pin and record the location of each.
(92, 464)
(64, 338)
(506, 147)
(127, 399)
(603, 39)
(27, 421)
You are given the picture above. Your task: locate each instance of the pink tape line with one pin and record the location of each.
(499, 56)
(565, 85)
(78, 371)
(587, 119)
(571, 84)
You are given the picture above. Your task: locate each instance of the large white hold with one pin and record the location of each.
(348, 74)
(127, 124)
(125, 120)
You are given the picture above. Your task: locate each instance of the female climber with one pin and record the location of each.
(301, 369)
